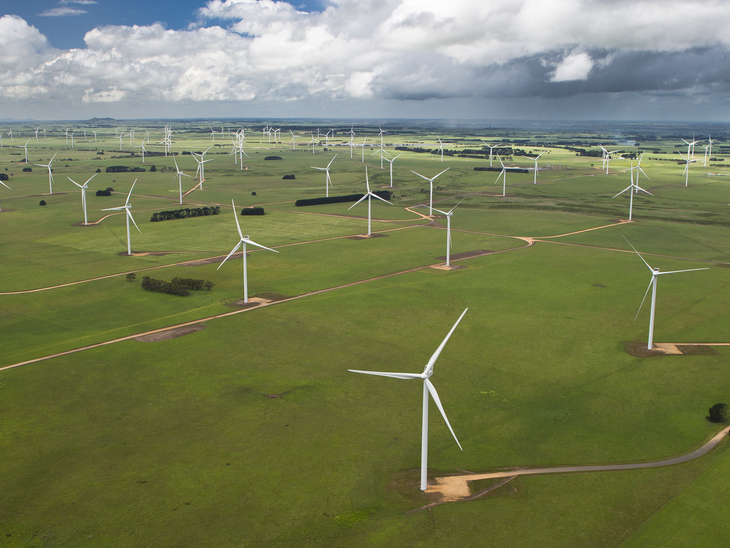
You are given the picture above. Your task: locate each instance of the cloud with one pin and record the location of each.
(60, 12)
(575, 66)
(81, 2)
(267, 50)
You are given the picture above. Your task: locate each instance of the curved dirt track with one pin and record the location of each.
(454, 488)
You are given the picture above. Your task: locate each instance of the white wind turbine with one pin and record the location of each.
(83, 194)
(503, 174)
(293, 140)
(10, 134)
(607, 157)
(709, 146)
(634, 187)
(244, 240)
(428, 387)
(212, 133)
(179, 177)
(143, 150)
(690, 147)
(127, 209)
(449, 243)
(655, 273)
(121, 142)
(6, 186)
(1, 140)
(131, 137)
(94, 132)
(327, 179)
(201, 165)
(491, 148)
(72, 138)
(25, 147)
(44, 134)
(363, 149)
(441, 148)
(66, 136)
(36, 133)
(430, 184)
(369, 195)
(686, 167)
(391, 168)
(534, 182)
(50, 173)
(313, 142)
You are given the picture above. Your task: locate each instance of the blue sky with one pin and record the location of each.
(486, 59)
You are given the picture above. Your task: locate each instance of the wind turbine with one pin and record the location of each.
(179, 176)
(121, 143)
(10, 134)
(634, 188)
(72, 138)
(709, 145)
(430, 184)
(212, 133)
(127, 208)
(369, 195)
(83, 194)
(36, 133)
(293, 140)
(655, 273)
(6, 186)
(201, 165)
(25, 147)
(428, 387)
(391, 168)
(441, 148)
(449, 214)
(94, 132)
(690, 147)
(503, 174)
(327, 179)
(686, 167)
(491, 148)
(313, 142)
(50, 173)
(534, 182)
(607, 157)
(244, 240)
(143, 150)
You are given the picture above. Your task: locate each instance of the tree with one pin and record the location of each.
(42, 202)
(131, 276)
(718, 413)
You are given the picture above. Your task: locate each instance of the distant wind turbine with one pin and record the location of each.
(391, 168)
(491, 148)
(179, 177)
(6, 186)
(83, 194)
(50, 173)
(369, 195)
(327, 179)
(127, 209)
(449, 243)
(535, 160)
(686, 167)
(244, 240)
(634, 187)
(430, 185)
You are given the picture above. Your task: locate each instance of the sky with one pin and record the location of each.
(660, 60)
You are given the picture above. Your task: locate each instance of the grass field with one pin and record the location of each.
(252, 432)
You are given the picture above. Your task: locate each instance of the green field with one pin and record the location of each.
(251, 431)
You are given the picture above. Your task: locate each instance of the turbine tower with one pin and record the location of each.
(327, 179)
(534, 182)
(50, 173)
(369, 195)
(83, 194)
(430, 185)
(127, 209)
(428, 387)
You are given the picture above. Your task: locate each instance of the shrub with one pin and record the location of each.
(131, 277)
(103, 193)
(98, 170)
(153, 169)
(385, 194)
(253, 193)
(109, 189)
(42, 203)
(27, 169)
(718, 413)
(208, 285)
(288, 177)
(4, 176)
(273, 158)
(252, 211)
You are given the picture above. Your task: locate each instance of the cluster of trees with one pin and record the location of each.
(273, 158)
(511, 170)
(718, 413)
(184, 213)
(287, 177)
(415, 149)
(385, 194)
(178, 286)
(4, 176)
(252, 211)
(107, 192)
(124, 169)
(27, 169)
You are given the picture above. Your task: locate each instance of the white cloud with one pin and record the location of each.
(61, 12)
(81, 2)
(575, 66)
(369, 49)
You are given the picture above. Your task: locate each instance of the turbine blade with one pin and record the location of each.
(421, 176)
(444, 171)
(261, 246)
(434, 357)
(624, 190)
(457, 205)
(229, 255)
(639, 254)
(642, 300)
(360, 200)
(642, 190)
(404, 376)
(379, 198)
(132, 219)
(678, 271)
(87, 182)
(114, 208)
(435, 397)
(442, 212)
(130, 192)
(235, 216)
(74, 182)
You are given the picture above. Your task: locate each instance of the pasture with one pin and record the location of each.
(252, 432)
